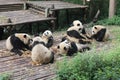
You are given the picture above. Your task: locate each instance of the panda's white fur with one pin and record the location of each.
(8, 43)
(77, 23)
(63, 47)
(77, 33)
(18, 43)
(74, 34)
(40, 53)
(47, 38)
(100, 33)
(69, 48)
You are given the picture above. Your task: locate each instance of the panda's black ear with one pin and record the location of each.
(24, 36)
(58, 47)
(95, 27)
(65, 48)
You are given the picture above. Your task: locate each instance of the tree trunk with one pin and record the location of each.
(111, 8)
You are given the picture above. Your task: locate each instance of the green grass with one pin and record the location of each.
(5, 76)
(100, 63)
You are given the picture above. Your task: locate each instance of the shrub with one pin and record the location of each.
(91, 66)
(5, 76)
(112, 21)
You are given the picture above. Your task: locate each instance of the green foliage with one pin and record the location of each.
(112, 21)
(118, 8)
(103, 64)
(92, 66)
(4, 76)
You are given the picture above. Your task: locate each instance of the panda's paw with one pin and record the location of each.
(11, 53)
(35, 63)
(27, 53)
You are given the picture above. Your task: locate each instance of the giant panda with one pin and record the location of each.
(69, 48)
(83, 31)
(47, 38)
(40, 54)
(100, 33)
(18, 43)
(74, 35)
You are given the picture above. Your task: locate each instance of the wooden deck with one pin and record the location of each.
(58, 5)
(23, 16)
(13, 9)
(20, 68)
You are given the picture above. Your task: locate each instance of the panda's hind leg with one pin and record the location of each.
(26, 53)
(83, 41)
(17, 51)
(85, 48)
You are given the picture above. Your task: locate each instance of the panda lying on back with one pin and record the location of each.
(100, 33)
(40, 53)
(18, 43)
(69, 48)
(77, 34)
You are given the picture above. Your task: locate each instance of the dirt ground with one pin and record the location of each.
(21, 68)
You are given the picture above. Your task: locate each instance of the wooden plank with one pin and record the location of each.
(58, 5)
(23, 16)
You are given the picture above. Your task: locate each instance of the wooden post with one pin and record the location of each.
(111, 8)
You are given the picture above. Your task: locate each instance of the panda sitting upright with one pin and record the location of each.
(40, 54)
(18, 43)
(69, 48)
(47, 38)
(100, 33)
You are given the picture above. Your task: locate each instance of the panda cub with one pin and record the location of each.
(100, 33)
(76, 33)
(83, 31)
(47, 38)
(69, 48)
(40, 54)
(18, 43)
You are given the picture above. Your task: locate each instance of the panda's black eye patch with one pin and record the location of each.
(58, 47)
(78, 24)
(65, 48)
(95, 27)
(79, 29)
(25, 36)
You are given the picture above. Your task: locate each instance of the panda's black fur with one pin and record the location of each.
(73, 33)
(69, 48)
(50, 42)
(47, 38)
(77, 33)
(1, 33)
(79, 24)
(100, 33)
(73, 49)
(18, 44)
